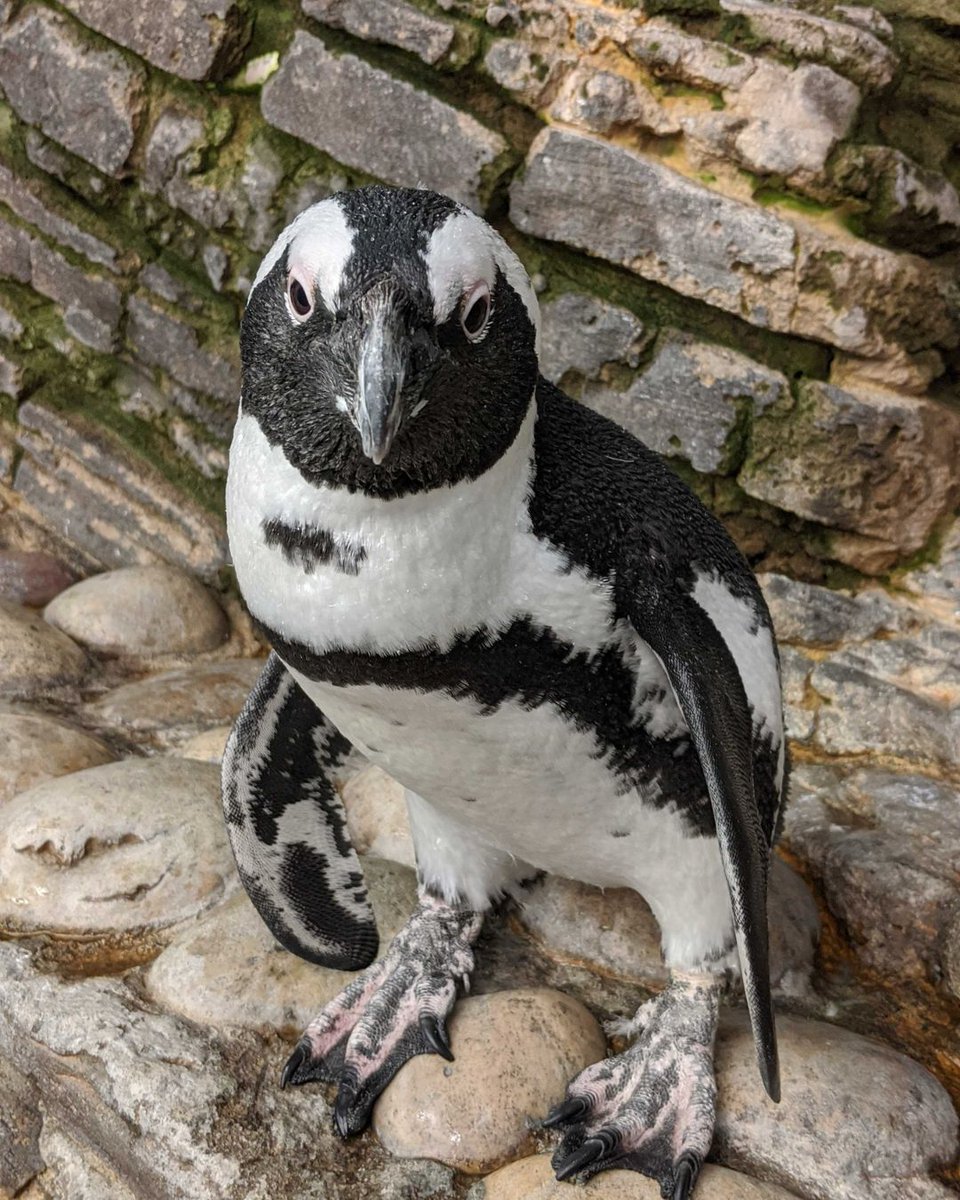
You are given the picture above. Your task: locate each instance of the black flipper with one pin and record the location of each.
(288, 829)
(710, 692)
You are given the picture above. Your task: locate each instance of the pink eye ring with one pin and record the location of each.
(299, 300)
(476, 309)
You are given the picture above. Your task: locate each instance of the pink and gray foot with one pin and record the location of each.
(397, 1008)
(652, 1108)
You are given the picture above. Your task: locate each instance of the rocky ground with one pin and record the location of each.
(145, 1010)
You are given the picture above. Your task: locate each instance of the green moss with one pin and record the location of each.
(768, 193)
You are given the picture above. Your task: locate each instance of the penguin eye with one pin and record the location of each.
(476, 309)
(298, 299)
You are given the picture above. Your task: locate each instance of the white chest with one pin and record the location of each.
(429, 566)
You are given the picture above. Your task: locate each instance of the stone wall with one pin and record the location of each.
(741, 218)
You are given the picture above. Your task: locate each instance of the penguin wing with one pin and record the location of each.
(710, 692)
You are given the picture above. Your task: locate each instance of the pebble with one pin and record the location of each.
(38, 747)
(32, 577)
(141, 612)
(34, 657)
(857, 1119)
(514, 1054)
(169, 708)
(207, 746)
(533, 1179)
(131, 845)
(227, 969)
(615, 932)
(376, 810)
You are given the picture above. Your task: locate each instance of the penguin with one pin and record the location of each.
(522, 614)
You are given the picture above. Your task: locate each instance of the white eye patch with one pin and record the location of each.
(465, 251)
(320, 244)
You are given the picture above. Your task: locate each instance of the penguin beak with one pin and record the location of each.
(381, 368)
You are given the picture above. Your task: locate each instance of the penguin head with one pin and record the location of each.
(390, 342)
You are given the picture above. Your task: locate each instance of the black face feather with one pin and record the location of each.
(470, 397)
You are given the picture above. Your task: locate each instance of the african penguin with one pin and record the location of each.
(512, 606)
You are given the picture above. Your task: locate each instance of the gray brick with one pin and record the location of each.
(390, 21)
(91, 307)
(647, 217)
(79, 483)
(367, 119)
(199, 39)
(14, 253)
(17, 195)
(686, 403)
(160, 340)
(50, 75)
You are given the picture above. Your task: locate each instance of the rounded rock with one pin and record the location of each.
(32, 577)
(37, 747)
(141, 612)
(34, 657)
(533, 1179)
(613, 930)
(207, 746)
(376, 810)
(514, 1054)
(132, 845)
(227, 969)
(176, 705)
(853, 1111)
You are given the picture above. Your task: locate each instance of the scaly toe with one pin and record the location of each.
(572, 1111)
(302, 1067)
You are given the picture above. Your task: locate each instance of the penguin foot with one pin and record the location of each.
(394, 1010)
(652, 1108)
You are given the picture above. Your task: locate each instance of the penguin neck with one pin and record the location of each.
(497, 498)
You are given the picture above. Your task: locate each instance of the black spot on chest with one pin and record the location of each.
(308, 547)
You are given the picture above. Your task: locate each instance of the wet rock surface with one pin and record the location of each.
(129, 845)
(175, 705)
(476, 1112)
(37, 747)
(227, 969)
(897, 1121)
(34, 657)
(533, 1179)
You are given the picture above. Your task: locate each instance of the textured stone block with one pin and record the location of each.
(647, 217)
(78, 482)
(849, 49)
(91, 307)
(872, 462)
(50, 75)
(581, 333)
(367, 119)
(17, 194)
(390, 21)
(667, 50)
(691, 399)
(195, 39)
(160, 340)
(14, 252)
(602, 100)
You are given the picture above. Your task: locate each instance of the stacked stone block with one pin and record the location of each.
(741, 217)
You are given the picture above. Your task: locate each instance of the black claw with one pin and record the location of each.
(352, 1109)
(300, 1055)
(592, 1149)
(685, 1176)
(435, 1033)
(570, 1111)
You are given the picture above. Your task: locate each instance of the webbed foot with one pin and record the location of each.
(652, 1108)
(394, 1010)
